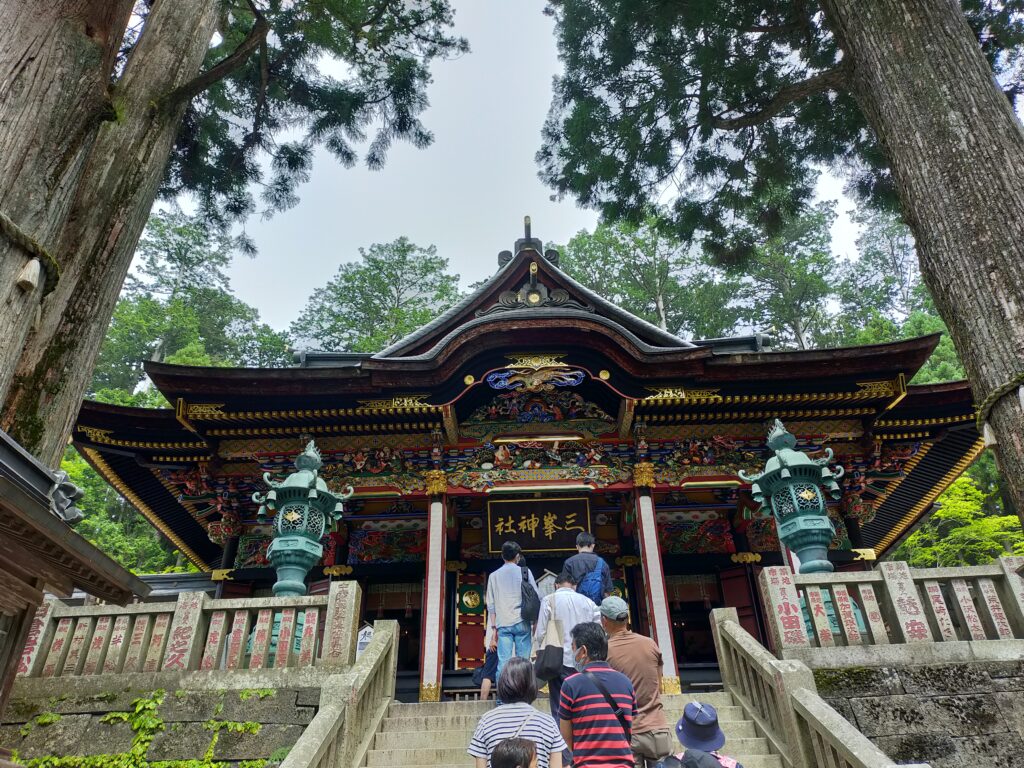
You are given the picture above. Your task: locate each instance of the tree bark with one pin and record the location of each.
(115, 194)
(56, 60)
(957, 155)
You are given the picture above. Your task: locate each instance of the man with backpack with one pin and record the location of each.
(592, 575)
(513, 605)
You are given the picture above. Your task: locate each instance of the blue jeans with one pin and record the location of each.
(513, 641)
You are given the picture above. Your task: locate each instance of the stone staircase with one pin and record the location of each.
(420, 735)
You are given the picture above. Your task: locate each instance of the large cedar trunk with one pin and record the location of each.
(117, 190)
(957, 155)
(56, 60)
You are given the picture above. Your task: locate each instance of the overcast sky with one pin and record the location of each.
(466, 193)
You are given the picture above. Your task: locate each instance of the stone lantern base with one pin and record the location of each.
(293, 557)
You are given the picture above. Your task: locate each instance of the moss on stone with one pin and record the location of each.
(834, 682)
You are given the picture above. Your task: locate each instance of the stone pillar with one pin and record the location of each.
(40, 635)
(432, 618)
(911, 621)
(782, 609)
(1013, 591)
(654, 577)
(185, 639)
(341, 625)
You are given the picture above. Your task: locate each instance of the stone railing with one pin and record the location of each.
(195, 633)
(781, 698)
(352, 706)
(835, 619)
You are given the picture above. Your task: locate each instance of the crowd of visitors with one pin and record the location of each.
(605, 700)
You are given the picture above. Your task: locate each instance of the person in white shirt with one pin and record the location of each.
(570, 608)
(504, 600)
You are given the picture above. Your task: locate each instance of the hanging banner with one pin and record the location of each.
(537, 525)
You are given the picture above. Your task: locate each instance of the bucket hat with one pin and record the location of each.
(698, 728)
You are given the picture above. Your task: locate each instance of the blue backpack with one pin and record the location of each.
(592, 585)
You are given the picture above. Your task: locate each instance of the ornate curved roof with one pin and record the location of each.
(528, 317)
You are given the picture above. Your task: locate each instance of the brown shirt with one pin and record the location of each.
(639, 658)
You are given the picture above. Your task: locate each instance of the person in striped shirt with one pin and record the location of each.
(597, 705)
(516, 717)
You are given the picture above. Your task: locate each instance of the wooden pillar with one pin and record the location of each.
(654, 577)
(432, 619)
(227, 562)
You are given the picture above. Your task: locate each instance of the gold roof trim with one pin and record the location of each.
(667, 418)
(535, 362)
(401, 404)
(938, 420)
(319, 429)
(119, 485)
(926, 501)
(894, 389)
(102, 437)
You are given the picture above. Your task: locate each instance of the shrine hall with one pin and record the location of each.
(532, 410)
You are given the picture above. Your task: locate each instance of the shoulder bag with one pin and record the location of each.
(548, 665)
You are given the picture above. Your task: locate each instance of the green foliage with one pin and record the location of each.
(396, 288)
(788, 281)
(113, 525)
(655, 276)
(145, 721)
(961, 532)
(787, 287)
(260, 126)
(42, 720)
(279, 754)
(259, 693)
(731, 107)
(177, 307)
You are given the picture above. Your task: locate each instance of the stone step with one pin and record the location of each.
(740, 738)
(673, 702)
(468, 722)
(673, 709)
(452, 737)
(716, 699)
(458, 757)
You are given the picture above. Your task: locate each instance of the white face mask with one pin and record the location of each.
(578, 664)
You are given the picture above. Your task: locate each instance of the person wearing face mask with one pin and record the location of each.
(597, 704)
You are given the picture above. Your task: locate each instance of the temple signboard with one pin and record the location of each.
(537, 525)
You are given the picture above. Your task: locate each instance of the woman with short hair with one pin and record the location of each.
(516, 718)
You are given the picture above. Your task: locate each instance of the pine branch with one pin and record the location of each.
(830, 79)
(256, 37)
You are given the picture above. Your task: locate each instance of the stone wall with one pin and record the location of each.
(949, 715)
(233, 725)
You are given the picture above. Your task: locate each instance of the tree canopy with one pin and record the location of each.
(734, 106)
(225, 102)
(654, 275)
(349, 76)
(961, 531)
(176, 307)
(391, 291)
(728, 110)
(115, 527)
